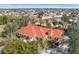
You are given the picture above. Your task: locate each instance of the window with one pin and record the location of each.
(37, 38)
(27, 37)
(18, 35)
(49, 37)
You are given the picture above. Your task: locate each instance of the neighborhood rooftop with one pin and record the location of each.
(38, 31)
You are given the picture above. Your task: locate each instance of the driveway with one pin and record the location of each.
(1, 47)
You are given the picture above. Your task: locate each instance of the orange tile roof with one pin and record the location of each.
(38, 31)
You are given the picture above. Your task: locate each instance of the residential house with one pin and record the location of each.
(33, 31)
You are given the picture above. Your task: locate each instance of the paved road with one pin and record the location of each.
(1, 49)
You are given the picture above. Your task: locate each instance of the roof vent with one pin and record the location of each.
(48, 33)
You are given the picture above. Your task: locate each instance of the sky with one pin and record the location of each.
(39, 5)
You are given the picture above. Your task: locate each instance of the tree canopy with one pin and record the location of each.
(20, 47)
(73, 33)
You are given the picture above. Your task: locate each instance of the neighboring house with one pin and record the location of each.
(46, 17)
(56, 18)
(32, 31)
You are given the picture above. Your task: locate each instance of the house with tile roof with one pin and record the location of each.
(33, 31)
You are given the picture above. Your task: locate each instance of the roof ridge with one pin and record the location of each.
(33, 30)
(42, 33)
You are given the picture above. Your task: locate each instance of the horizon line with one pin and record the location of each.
(39, 6)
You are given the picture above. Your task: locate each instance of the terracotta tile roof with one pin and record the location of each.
(38, 31)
